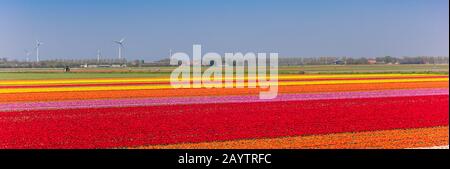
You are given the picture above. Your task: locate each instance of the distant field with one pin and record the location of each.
(33, 75)
(51, 73)
(333, 69)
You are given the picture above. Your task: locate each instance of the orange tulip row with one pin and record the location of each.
(387, 139)
(86, 95)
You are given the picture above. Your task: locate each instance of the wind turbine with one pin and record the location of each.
(120, 46)
(28, 53)
(38, 43)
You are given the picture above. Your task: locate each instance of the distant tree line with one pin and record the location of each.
(363, 60)
(283, 61)
(59, 63)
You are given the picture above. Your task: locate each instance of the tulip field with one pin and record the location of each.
(323, 111)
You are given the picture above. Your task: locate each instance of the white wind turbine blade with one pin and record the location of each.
(118, 42)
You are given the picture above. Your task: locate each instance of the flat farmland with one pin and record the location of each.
(139, 109)
(58, 73)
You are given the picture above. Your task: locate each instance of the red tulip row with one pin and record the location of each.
(169, 124)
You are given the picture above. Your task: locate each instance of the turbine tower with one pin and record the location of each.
(38, 43)
(99, 54)
(120, 46)
(28, 53)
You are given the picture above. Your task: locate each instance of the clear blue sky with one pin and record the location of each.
(307, 28)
